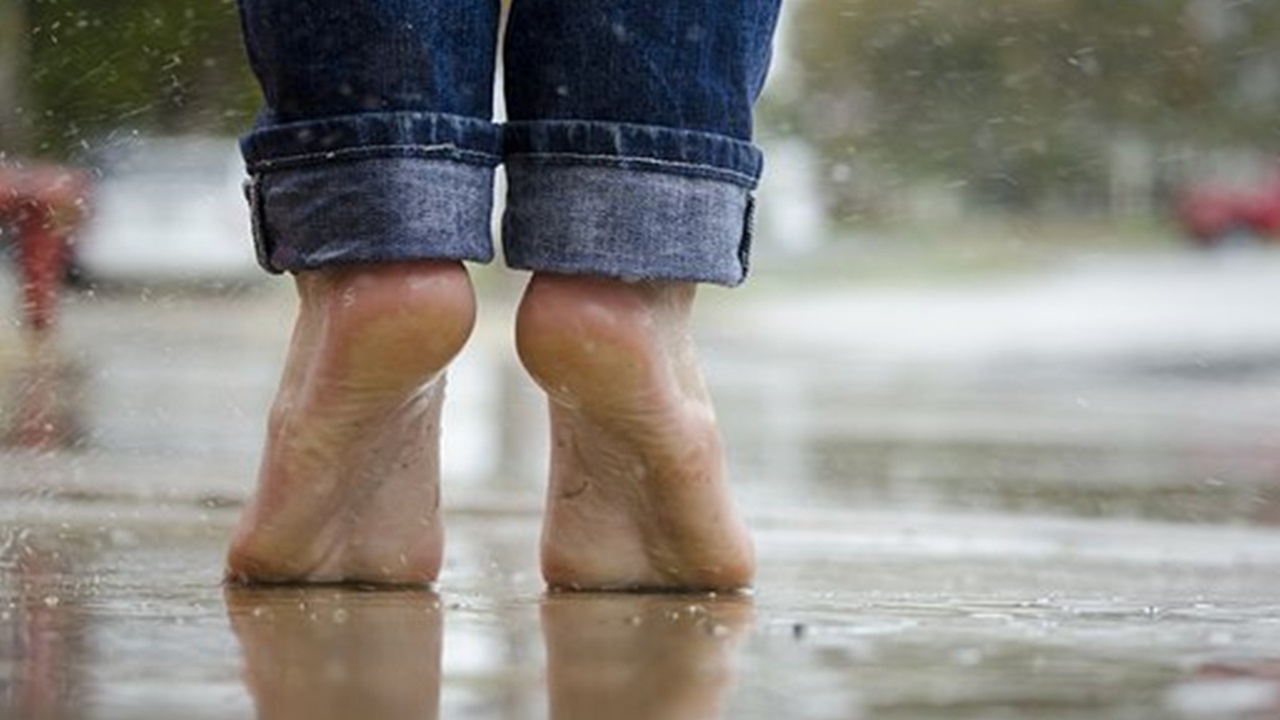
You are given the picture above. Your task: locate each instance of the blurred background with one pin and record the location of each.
(1013, 297)
(877, 112)
(1013, 255)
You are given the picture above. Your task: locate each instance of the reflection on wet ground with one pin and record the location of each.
(127, 620)
(1016, 532)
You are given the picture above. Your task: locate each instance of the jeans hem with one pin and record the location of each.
(628, 146)
(434, 136)
(631, 225)
(371, 210)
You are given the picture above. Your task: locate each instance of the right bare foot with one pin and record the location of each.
(638, 497)
(349, 485)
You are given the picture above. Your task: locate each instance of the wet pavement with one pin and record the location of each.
(1054, 496)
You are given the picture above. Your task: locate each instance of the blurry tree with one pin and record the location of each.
(97, 68)
(1028, 102)
(13, 54)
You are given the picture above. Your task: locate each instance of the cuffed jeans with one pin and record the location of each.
(627, 147)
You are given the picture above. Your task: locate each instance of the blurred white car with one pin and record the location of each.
(168, 210)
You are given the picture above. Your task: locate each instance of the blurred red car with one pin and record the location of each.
(1214, 214)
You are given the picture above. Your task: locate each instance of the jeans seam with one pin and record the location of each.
(263, 246)
(443, 151)
(630, 161)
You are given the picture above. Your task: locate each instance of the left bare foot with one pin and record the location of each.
(349, 485)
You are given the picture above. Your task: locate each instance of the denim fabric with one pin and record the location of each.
(329, 58)
(683, 64)
(628, 149)
(577, 219)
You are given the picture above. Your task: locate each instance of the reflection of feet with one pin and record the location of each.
(348, 489)
(649, 657)
(638, 498)
(324, 653)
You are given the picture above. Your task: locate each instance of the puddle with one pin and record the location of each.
(1011, 538)
(132, 622)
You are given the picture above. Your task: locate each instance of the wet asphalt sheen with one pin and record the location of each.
(986, 520)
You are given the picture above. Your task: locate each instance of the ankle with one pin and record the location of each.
(405, 318)
(443, 287)
(571, 328)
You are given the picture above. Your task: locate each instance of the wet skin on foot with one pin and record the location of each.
(349, 485)
(348, 489)
(637, 496)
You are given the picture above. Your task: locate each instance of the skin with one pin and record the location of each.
(637, 496)
(349, 486)
(348, 489)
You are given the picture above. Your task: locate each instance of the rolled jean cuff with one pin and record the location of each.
(630, 146)
(371, 189)
(630, 202)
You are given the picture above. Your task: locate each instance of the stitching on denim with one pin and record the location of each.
(559, 127)
(442, 151)
(375, 119)
(622, 160)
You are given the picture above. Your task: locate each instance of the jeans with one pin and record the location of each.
(627, 145)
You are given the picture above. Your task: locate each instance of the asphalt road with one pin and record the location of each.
(1051, 496)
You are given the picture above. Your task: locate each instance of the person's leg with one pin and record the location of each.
(371, 170)
(630, 168)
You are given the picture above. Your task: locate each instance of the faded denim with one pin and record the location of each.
(628, 147)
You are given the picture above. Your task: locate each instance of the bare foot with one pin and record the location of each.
(348, 490)
(638, 497)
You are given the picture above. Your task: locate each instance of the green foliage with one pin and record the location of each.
(1020, 100)
(102, 67)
